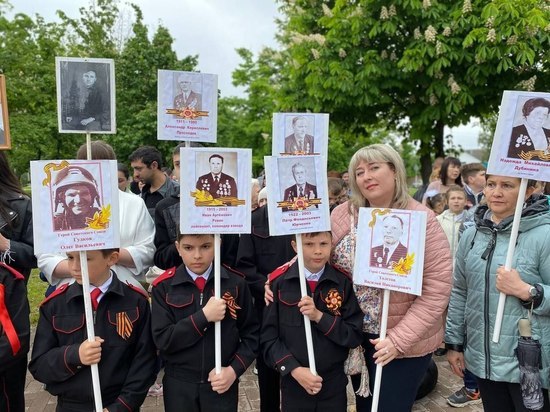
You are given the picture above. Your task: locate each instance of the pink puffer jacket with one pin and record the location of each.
(415, 323)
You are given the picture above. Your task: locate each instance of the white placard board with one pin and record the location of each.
(300, 134)
(74, 205)
(389, 251)
(210, 204)
(521, 145)
(297, 194)
(85, 95)
(187, 106)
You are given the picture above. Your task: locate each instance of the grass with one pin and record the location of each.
(35, 291)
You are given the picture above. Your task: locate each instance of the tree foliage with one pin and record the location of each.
(432, 63)
(27, 58)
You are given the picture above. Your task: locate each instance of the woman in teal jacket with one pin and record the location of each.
(479, 276)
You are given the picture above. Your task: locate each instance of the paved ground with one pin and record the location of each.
(39, 400)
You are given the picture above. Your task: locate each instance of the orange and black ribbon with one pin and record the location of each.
(7, 324)
(334, 301)
(123, 325)
(231, 304)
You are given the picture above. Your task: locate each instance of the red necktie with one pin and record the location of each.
(200, 282)
(94, 294)
(312, 284)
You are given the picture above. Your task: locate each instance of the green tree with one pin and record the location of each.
(430, 63)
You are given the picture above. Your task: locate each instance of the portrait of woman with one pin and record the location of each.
(530, 139)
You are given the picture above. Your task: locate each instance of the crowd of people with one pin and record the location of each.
(262, 310)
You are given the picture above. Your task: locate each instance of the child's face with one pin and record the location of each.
(98, 266)
(197, 252)
(316, 250)
(457, 202)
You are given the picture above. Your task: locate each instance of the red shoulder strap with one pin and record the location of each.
(61, 289)
(14, 272)
(279, 271)
(165, 275)
(137, 289)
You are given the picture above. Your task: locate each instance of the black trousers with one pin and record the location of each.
(505, 397)
(400, 381)
(197, 397)
(331, 398)
(268, 378)
(12, 387)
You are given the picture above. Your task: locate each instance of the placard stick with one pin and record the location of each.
(217, 293)
(509, 256)
(383, 328)
(303, 289)
(88, 304)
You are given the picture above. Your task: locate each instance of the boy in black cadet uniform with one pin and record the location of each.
(14, 339)
(336, 325)
(123, 345)
(184, 312)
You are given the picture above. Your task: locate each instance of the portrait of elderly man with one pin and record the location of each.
(76, 198)
(87, 104)
(188, 98)
(391, 250)
(301, 188)
(217, 183)
(299, 141)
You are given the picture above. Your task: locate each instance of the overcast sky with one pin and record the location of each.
(211, 29)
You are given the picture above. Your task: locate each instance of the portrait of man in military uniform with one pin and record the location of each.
(189, 92)
(391, 250)
(299, 142)
(76, 198)
(217, 183)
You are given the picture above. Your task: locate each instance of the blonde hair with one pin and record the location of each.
(381, 153)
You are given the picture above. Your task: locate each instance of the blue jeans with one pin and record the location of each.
(470, 380)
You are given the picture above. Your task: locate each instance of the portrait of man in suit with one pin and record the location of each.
(188, 98)
(301, 188)
(391, 249)
(218, 184)
(299, 142)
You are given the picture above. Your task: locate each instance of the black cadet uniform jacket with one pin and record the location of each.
(283, 339)
(14, 318)
(127, 364)
(186, 339)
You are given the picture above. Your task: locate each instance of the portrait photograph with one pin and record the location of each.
(5, 141)
(85, 95)
(297, 196)
(78, 204)
(300, 134)
(394, 239)
(187, 106)
(521, 145)
(215, 190)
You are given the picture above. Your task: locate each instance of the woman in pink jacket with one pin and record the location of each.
(415, 323)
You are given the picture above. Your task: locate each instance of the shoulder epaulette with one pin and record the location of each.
(279, 271)
(346, 274)
(61, 289)
(137, 289)
(167, 274)
(14, 272)
(235, 271)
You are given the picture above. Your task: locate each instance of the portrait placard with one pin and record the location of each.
(5, 141)
(187, 106)
(300, 134)
(521, 145)
(396, 240)
(215, 190)
(75, 205)
(297, 194)
(85, 95)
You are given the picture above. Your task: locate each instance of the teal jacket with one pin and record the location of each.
(474, 297)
